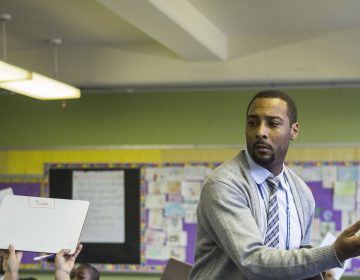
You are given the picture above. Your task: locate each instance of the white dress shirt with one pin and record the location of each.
(289, 225)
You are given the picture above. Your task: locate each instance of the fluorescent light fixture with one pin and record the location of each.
(10, 72)
(42, 88)
(29, 83)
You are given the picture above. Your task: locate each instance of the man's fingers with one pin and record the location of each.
(78, 250)
(351, 230)
(65, 251)
(19, 256)
(11, 250)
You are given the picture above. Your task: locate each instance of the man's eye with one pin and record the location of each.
(251, 123)
(274, 124)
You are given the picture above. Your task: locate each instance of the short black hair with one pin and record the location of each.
(78, 272)
(291, 106)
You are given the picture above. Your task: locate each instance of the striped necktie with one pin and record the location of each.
(272, 231)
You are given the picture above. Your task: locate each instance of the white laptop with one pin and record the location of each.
(40, 224)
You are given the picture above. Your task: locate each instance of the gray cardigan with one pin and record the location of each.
(229, 240)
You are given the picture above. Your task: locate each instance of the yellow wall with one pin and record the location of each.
(31, 162)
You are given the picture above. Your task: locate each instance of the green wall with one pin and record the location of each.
(326, 116)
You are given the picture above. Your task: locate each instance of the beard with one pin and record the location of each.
(263, 160)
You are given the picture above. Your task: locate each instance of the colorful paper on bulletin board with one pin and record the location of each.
(169, 220)
(27, 189)
(324, 203)
(329, 193)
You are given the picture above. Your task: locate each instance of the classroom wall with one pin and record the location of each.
(151, 118)
(326, 116)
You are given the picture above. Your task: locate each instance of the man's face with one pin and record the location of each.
(268, 132)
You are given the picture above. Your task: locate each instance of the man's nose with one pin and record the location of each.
(262, 131)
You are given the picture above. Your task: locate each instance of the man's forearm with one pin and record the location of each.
(61, 275)
(11, 276)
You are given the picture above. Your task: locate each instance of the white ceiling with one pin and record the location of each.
(127, 44)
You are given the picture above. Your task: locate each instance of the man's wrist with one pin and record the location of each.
(61, 275)
(11, 276)
(341, 262)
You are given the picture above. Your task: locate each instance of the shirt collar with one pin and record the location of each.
(260, 174)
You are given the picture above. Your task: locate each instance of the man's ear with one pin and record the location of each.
(294, 131)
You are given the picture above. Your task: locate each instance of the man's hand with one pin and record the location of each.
(64, 263)
(347, 245)
(11, 264)
(329, 275)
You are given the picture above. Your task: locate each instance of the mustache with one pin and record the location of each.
(261, 144)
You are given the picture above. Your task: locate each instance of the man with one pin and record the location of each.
(255, 214)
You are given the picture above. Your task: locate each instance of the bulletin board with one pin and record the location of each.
(111, 233)
(335, 186)
(27, 187)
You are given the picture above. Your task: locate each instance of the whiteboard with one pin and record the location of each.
(104, 190)
(39, 224)
(61, 180)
